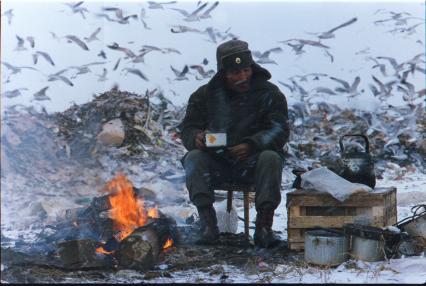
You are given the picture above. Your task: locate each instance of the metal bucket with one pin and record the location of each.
(416, 227)
(367, 249)
(324, 247)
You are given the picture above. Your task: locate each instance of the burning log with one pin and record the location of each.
(141, 249)
(118, 226)
(77, 254)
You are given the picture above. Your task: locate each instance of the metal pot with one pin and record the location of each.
(357, 167)
(416, 224)
(417, 227)
(324, 247)
(367, 249)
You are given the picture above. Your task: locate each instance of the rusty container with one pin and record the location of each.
(324, 247)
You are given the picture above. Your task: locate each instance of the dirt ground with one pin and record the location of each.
(231, 250)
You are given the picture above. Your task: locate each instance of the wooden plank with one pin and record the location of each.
(314, 198)
(294, 211)
(330, 211)
(328, 200)
(296, 235)
(328, 221)
(378, 211)
(367, 211)
(298, 246)
(322, 221)
(377, 191)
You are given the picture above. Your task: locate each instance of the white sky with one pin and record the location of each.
(261, 24)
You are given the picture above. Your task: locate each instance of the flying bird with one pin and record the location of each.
(206, 13)
(298, 44)
(397, 67)
(384, 90)
(84, 68)
(44, 55)
(328, 54)
(106, 16)
(136, 72)
(128, 52)
(158, 5)
(16, 69)
(326, 90)
(180, 75)
(61, 78)
(20, 45)
(93, 37)
(31, 40)
(315, 76)
(170, 50)
(348, 88)
(183, 29)
(116, 64)
(204, 74)
(9, 15)
(263, 58)
(143, 16)
(382, 67)
(102, 54)
(102, 77)
(76, 8)
(41, 94)
(13, 93)
(193, 16)
(329, 34)
(80, 43)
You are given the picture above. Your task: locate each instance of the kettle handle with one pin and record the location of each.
(367, 145)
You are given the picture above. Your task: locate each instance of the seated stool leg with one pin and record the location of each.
(229, 202)
(246, 215)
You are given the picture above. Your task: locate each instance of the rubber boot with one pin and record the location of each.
(263, 235)
(209, 232)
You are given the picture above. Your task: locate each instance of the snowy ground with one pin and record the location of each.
(410, 191)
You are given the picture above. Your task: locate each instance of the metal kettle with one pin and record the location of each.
(356, 166)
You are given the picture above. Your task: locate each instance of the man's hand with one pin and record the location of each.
(200, 140)
(241, 151)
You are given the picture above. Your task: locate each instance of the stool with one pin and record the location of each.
(235, 187)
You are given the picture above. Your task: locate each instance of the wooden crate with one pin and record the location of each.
(309, 208)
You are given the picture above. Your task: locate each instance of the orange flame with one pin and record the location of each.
(168, 243)
(103, 251)
(126, 212)
(153, 213)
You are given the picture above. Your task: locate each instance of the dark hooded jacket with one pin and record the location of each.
(258, 117)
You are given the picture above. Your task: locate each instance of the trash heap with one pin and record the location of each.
(396, 134)
(61, 160)
(123, 126)
(119, 119)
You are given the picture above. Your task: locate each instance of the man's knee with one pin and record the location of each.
(195, 156)
(195, 159)
(269, 158)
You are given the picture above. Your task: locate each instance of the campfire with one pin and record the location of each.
(128, 229)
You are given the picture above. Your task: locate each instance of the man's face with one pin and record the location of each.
(239, 79)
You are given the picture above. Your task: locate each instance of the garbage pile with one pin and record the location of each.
(124, 126)
(61, 160)
(394, 133)
(121, 119)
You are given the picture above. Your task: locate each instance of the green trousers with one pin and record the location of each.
(205, 170)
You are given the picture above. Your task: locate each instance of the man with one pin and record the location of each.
(241, 102)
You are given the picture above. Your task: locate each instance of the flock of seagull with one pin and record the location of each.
(398, 76)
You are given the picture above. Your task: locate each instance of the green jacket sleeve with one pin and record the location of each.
(275, 129)
(195, 119)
